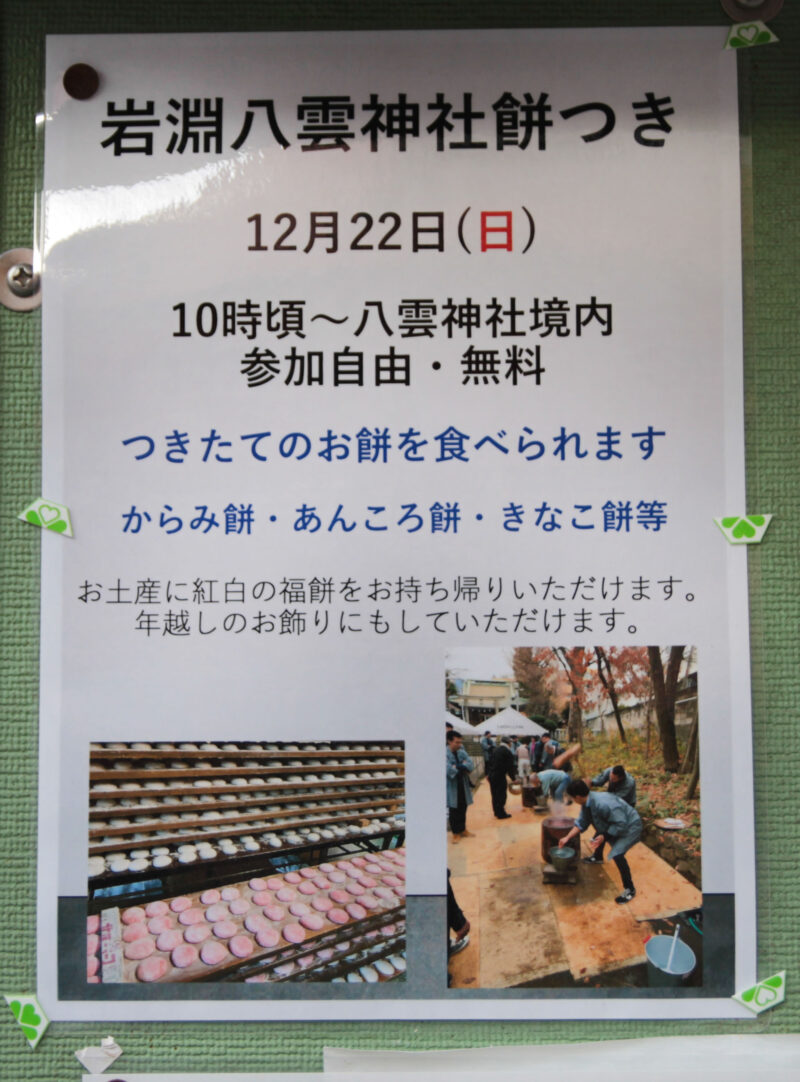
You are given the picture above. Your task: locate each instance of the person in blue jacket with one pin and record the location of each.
(614, 822)
(551, 782)
(545, 753)
(459, 787)
(620, 783)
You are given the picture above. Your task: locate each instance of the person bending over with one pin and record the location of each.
(614, 822)
(620, 783)
(551, 783)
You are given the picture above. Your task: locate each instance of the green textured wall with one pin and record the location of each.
(772, 89)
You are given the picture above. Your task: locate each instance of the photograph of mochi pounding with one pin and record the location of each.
(573, 786)
(246, 862)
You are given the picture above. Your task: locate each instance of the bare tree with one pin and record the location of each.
(692, 786)
(691, 761)
(607, 680)
(665, 686)
(691, 754)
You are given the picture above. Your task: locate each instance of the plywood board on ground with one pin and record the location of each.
(578, 928)
(599, 936)
(660, 890)
(471, 856)
(524, 944)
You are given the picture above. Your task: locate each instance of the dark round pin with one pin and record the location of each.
(744, 11)
(81, 81)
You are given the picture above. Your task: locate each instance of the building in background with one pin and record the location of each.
(478, 700)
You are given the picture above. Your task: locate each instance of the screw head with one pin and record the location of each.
(20, 284)
(21, 280)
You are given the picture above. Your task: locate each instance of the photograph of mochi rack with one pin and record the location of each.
(255, 862)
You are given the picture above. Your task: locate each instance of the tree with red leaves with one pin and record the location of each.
(624, 673)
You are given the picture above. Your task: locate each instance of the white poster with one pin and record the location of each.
(371, 362)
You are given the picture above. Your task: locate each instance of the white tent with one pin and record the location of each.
(460, 726)
(510, 722)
